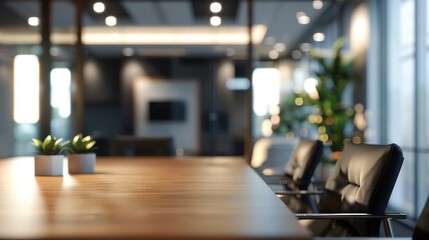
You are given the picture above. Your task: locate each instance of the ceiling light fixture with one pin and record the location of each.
(131, 35)
(279, 47)
(98, 7)
(305, 47)
(128, 52)
(111, 21)
(273, 54)
(33, 21)
(318, 37)
(215, 7)
(302, 18)
(317, 4)
(215, 21)
(296, 54)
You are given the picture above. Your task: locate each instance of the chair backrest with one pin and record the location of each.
(421, 231)
(303, 162)
(362, 182)
(269, 153)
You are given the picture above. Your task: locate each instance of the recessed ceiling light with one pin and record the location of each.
(33, 21)
(98, 7)
(279, 47)
(296, 54)
(215, 21)
(305, 47)
(317, 4)
(300, 14)
(302, 18)
(128, 52)
(111, 21)
(215, 7)
(273, 54)
(137, 35)
(318, 37)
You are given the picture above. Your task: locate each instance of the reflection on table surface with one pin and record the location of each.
(144, 198)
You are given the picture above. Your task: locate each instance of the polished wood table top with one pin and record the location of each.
(143, 198)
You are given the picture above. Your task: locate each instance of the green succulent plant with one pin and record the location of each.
(81, 144)
(49, 146)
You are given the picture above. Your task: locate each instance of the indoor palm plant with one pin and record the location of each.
(333, 77)
(49, 158)
(81, 155)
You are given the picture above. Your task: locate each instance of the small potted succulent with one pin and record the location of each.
(81, 155)
(49, 158)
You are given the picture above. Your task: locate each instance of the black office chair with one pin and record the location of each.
(355, 197)
(270, 155)
(141, 146)
(421, 231)
(300, 167)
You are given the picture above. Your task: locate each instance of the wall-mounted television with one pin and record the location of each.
(167, 110)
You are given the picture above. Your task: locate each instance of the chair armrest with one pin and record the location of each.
(350, 215)
(298, 192)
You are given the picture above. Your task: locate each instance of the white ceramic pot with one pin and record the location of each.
(48, 165)
(81, 163)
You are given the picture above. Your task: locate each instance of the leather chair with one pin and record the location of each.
(421, 231)
(300, 167)
(355, 197)
(270, 154)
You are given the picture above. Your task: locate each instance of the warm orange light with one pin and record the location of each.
(299, 101)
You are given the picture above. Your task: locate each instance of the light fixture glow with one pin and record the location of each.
(310, 86)
(317, 4)
(130, 35)
(128, 52)
(215, 21)
(237, 84)
(273, 54)
(279, 47)
(111, 21)
(305, 47)
(318, 37)
(215, 7)
(302, 18)
(266, 89)
(296, 54)
(33, 21)
(99, 7)
(60, 91)
(26, 89)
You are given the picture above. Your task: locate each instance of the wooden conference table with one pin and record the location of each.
(143, 198)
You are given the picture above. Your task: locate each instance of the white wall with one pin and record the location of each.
(186, 133)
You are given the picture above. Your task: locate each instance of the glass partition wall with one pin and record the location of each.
(163, 40)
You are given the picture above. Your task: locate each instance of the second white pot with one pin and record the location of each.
(81, 163)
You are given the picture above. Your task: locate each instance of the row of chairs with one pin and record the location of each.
(353, 199)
